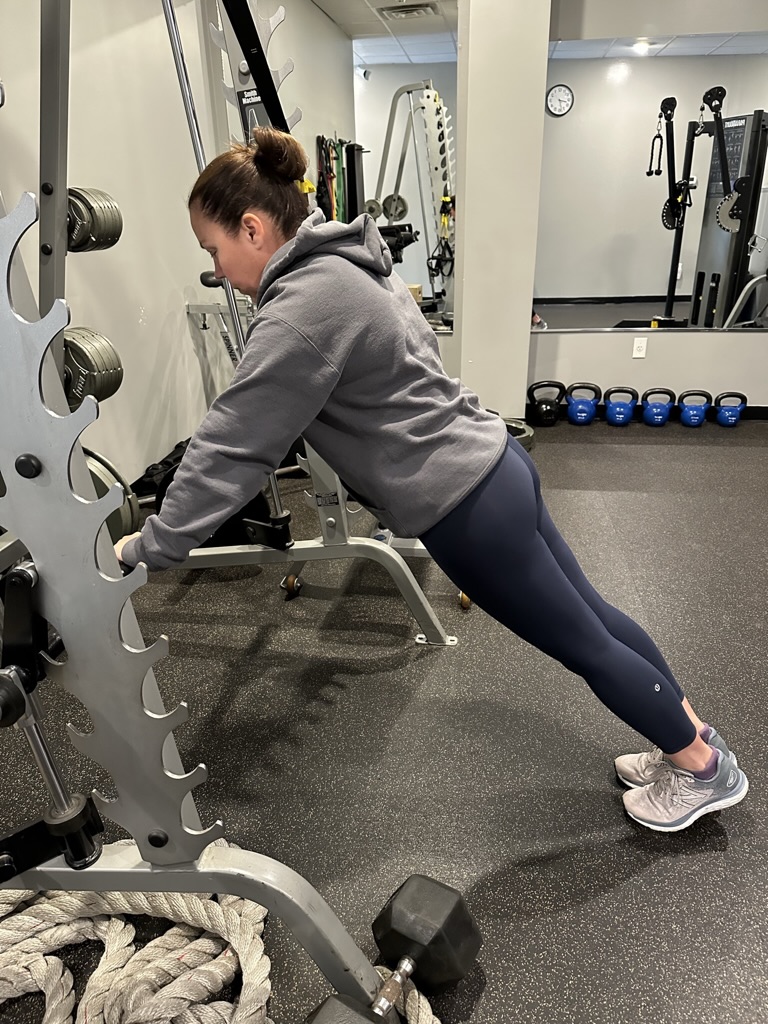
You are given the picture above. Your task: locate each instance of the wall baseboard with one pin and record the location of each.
(593, 300)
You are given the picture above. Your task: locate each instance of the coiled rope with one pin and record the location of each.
(173, 979)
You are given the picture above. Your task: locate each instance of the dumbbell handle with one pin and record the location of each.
(392, 988)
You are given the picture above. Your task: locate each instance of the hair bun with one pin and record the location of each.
(278, 155)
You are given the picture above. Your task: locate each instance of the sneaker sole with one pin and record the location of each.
(639, 785)
(718, 805)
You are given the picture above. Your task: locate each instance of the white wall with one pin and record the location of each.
(129, 137)
(680, 360)
(600, 231)
(373, 99)
(321, 82)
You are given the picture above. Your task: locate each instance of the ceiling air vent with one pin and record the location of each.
(408, 12)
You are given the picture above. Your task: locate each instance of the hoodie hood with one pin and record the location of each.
(358, 242)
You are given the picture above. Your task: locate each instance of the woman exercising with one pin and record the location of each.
(340, 353)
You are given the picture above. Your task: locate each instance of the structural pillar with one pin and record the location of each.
(502, 71)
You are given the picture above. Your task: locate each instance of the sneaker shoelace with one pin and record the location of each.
(654, 757)
(674, 786)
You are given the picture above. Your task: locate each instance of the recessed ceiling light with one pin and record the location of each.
(641, 47)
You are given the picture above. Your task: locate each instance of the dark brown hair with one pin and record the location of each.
(261, 176)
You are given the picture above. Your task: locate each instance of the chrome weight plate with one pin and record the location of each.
(91, 366)
(124, 520)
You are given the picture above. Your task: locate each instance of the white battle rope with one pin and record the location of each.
(171, 980)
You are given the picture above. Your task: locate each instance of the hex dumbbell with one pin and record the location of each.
(425, 927)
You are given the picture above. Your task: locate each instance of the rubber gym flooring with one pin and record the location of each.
(338, 746)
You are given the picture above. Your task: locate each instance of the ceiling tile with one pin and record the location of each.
(426, 39)
(366, 31)
(423, 27)
(432, 58)
(378, 59)
(377, 46)
(701, 44)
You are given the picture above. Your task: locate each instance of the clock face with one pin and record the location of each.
(559, 100)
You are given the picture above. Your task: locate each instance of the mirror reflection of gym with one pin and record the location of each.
(681, 247)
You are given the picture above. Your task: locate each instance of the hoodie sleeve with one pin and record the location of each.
(279, 387)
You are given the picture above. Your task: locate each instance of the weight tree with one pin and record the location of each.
(74, 584)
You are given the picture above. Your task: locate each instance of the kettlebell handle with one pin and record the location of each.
(620, 391)
(659, 391)
(695, 394)
(585, 386)
(540, 385)
(730, 394)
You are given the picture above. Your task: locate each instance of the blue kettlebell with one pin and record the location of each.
(692, 415)
(656, 414)
(729, 415)
(581, 411)
(619, 414)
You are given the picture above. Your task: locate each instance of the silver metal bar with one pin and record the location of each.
(240, 873)
(739, 304)
(401, 165)
(274, 487)
(316, 551)
(11, 550)
(421, 189)
(60, 795)
(427, 84)
(197, 143)
(54, 126)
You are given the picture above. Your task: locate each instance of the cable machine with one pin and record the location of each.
(732, 251)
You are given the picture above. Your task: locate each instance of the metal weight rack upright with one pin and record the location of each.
(60, 571)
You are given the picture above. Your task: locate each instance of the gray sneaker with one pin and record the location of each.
(677, 798)
(642, 769)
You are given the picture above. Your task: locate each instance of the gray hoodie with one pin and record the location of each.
(339, 353)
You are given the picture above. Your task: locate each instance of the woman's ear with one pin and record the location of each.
(253, 226)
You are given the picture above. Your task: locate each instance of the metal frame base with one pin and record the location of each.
(221, 869)
(304, 551)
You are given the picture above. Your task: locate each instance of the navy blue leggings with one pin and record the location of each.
(501, 548)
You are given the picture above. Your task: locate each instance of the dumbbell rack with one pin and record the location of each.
(80, 592)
